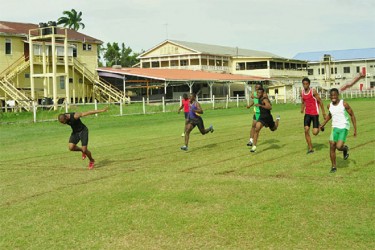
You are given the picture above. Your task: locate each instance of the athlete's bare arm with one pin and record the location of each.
(265, 104)
(199, 109)
(352, 117)
(91, 112)
(320, 102)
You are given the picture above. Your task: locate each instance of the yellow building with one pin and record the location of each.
(46, 64)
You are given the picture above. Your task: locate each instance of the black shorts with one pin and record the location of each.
(267, 121)
(311, 118)
(186, 115)
(82, 136)
(197, 122)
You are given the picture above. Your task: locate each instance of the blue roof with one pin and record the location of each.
(337, 55)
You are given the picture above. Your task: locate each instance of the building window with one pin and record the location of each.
(86, 46)
(323, 71)
(319, 71)
(256, 65)
(70, 80)
(358, 69)
(240, 66)
(276, 91)
(74, 51)
(155, 65)
(310, 72)
(346, 69)
(62, 82)
(27, 75)
(372, 84)
(183, 63)
(8, 46)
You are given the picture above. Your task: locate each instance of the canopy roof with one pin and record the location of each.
(176, 75)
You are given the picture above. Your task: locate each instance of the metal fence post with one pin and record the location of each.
(96, 106)
(163, 103)
(237, 101)
(213, 101)
(34, 112)
(144, 105)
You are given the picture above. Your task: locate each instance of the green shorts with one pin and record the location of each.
(338, 134)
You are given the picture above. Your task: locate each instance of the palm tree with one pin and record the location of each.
(72, 20)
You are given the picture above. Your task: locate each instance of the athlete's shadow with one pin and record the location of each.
(341, 163)
(103, 163)
(319, 146)
(274, 144)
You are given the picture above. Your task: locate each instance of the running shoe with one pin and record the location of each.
(185, 148)
(333, 170)
(322, 129)
(253, 149)
(310, 152)
(345, 152)
(278, 117)
(83, 156)
(211, 128)
(183, 134)
(91, 165)
(249, 144)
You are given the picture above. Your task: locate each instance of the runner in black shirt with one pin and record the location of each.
(265, 118)
(80, 132)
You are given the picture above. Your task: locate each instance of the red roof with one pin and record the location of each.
(180, 74)
(22, 29)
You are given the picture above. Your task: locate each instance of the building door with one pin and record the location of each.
(361, 86)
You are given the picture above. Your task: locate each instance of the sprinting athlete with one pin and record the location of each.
(79, 132)
(310, 106)
(185, 103)
(256, 115)
(339, 112)
(265, 117)
(194, 119)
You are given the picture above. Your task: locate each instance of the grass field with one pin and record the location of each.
(145, 193)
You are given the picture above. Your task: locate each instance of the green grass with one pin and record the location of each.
(145, 193)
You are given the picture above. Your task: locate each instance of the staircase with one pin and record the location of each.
(6, 85)
(104, 91)
(350, 84)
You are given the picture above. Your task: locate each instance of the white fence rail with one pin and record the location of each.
(146, 106)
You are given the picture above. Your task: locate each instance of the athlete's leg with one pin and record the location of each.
(315, 120)
(74, 147)
(332, 153)
(88, 153)
(201, 128)
(276, 125)
(308, 138)
(189, 128)
(252, 130)
(258, 127)
(315, 131)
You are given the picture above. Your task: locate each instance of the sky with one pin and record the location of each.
(282, 27)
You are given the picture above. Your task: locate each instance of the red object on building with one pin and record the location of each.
(364, 71)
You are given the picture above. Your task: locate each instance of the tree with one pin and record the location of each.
(112, 54)
(72, 20)
(115, 56)
(128, 59)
